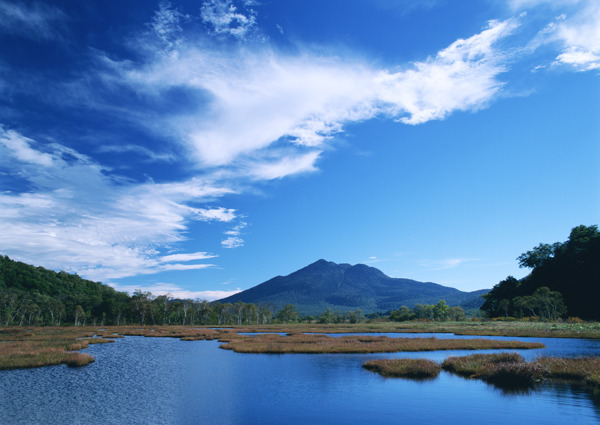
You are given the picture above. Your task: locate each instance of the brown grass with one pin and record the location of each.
(314, 344)
(583, 369)
(405, 368)
(34, 347)
(511, 368)
(25, 354)
(48, 346)
(476, 363)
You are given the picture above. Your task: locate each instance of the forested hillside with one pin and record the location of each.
(35, 295)
(564, 281)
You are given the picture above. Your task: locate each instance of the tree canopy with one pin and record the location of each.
(564, 279)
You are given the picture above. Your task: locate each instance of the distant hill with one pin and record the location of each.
(344, 287)
(35, 295)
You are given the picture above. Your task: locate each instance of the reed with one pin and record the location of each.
(21, 355)
(476, 364)
(586, 369)
(502, 368)
(487, 328)
(514, 374)
(511, 369)
(38, 347)
(405, 368)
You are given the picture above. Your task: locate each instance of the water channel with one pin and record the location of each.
(139, 380)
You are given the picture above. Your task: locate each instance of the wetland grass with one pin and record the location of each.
(34, 347)
(48, 347)
(581, 369)
(483, 328)
(404, 368)
(475, 364)
(321, 344)
(512, 369)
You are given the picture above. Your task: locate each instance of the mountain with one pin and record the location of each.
(344, 287)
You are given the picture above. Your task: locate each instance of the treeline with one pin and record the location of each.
(428, 312)
(35, 296)
(564, 281)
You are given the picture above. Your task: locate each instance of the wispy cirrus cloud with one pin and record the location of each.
(20, 147)
(225, 18)
(575, 27)
(262, 115)
(445, 264)
(187, 257)
(243, 113)
(580, 35)
(233, 239)
(175, 291)
(80, 219)
(257, 98)
(35, 20)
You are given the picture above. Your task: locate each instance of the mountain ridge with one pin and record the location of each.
(325, 284)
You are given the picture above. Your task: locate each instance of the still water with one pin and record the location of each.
(139, 380)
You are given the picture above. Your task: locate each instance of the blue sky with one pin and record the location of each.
(199, 148)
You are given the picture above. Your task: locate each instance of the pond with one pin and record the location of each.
(139, 380)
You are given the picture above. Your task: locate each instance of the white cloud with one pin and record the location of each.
(166, 26)
(255, 99)
(581, 59)
(580, 34)
(446, 264)
(20, 148)
(34, 20)
(175, 291)
(218, 214)
(232, 242)
(285, 166)
(262, 115)
(225, 18)
(460, 77)
(139, 150)
(82, 220)
(576, 29)
(187, 257)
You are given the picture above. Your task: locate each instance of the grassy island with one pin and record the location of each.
(317, 344)
(502, 369)
(406, 368)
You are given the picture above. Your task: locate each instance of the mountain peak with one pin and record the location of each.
(325, 284)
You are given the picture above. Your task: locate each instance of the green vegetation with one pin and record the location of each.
(405, 368)
(440, 312)
(34, 296)
(564, 280)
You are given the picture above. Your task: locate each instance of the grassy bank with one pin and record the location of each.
(20, 348)
(512, 369)
(488, 328)
(49, 346)
(319, 344)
